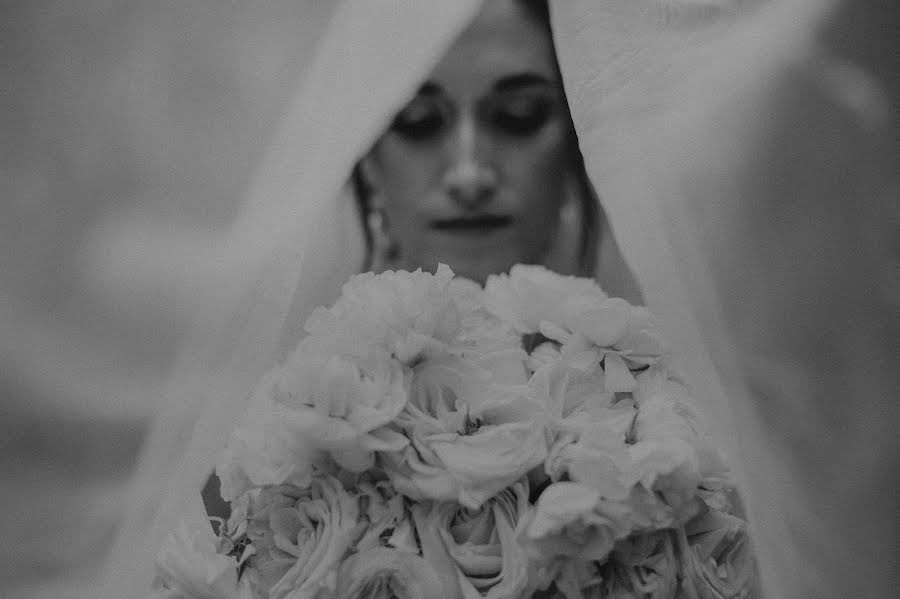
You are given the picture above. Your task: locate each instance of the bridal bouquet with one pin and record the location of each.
(430, 438)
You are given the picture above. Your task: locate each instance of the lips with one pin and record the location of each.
(472, 225)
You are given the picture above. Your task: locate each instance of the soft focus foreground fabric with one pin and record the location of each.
(624, 64)
(762, 151)
(295, 236)
(128, 120)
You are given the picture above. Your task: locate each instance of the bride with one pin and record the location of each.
(481, 169)
(467, 164)
(466, 155)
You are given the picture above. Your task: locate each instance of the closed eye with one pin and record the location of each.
(521, 115)
(421, 120)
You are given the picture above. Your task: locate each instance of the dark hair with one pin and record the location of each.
(539, 10)
(590, 208)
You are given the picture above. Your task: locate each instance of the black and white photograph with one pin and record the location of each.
(451, 299)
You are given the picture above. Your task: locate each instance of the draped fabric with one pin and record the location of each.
(749, 168)
(666, 96)
(296, 242)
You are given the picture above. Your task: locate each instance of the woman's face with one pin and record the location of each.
(471, 171)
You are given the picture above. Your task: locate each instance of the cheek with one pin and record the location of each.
(404, 174)
(535, 172)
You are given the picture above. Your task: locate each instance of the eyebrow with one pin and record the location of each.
(504, 84)
(429, 88)
(520, 80)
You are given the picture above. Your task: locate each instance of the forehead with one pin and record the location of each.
(504, 39)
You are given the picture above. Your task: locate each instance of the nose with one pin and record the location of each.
(469, 180)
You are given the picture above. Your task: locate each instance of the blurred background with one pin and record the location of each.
(129, 132)
(128, 129)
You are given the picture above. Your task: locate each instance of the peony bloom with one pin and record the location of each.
(544, 355)
(470, 437)
(188, 567)
(669, 468)
(477, 548)
(391, 455)
(579, 538)
(412, 316)
(529, 295)
(574, 520)
(481, 331)
(671, 454)
(578, 316)
(300, 539)
(342, 404)
(643, 343)
(598, 464)
(646, 456)
(261, 451)
(587, 429)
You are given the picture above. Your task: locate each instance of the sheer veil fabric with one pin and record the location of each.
(644, 81)
(643, 115)
(296, 242)
(753, 191)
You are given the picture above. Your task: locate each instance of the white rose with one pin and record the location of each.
(717, 556)
(383, 573)
(478, 547)
(646, 565)
(301, 542)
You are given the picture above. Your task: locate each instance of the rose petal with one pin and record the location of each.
(618, 377)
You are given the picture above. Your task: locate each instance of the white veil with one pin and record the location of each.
(646, 81)
(749, 171)
(296, 242)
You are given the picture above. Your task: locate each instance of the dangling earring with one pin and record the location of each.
(384, 249)
(563, 253)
